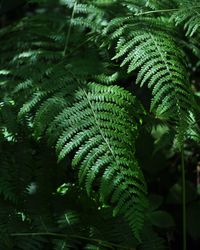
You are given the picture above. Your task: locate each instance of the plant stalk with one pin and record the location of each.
(100, 242)
(183, 200)
(69, 29)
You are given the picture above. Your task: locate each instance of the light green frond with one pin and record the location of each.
(154, 55)
(101, 127)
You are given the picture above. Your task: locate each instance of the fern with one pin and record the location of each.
(188, 15)
(63, 79)
(144, 46)
(94, 18)
(161, 5)
(146, 49)
(99, 126)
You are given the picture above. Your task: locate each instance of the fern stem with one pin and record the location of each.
(100, 242)
(183, 200)
(155, 11)
(69, 29)
(99, 127)
(159, 11)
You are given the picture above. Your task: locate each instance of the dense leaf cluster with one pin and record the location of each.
(89, 78)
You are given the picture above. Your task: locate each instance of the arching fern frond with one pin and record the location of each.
(102, 127)
(188, 15)
(144, 46)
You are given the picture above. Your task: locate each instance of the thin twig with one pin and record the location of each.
(164, 10)
(69, 30)
(155, 11)
(184, 239)
(100, 242)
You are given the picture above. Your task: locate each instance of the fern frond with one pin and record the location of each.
(134, 6)
(91, 15)
(188, 15)
(145, 47)
(43, 118)
(101, 126)
(107, 79)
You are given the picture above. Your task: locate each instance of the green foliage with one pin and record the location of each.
(160, 62)
(188, 16)
(149, 45)
(101, 127)
(92, 79)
